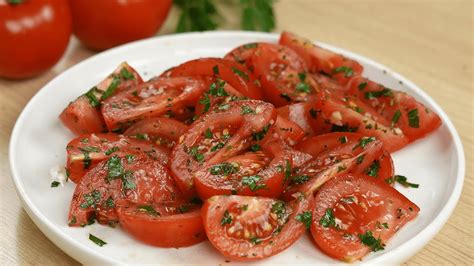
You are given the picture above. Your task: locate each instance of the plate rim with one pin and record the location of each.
(72, 247)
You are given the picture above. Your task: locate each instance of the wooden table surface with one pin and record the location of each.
(429, 42)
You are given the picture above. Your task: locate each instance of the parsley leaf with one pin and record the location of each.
(328, 219)
(99, 242)
(279, 208)
(148, 209)
(395, 118)
(55, 184)
(348, 72)
(305, 218)
(299, 179)
(375, 244)
(111, 88)
(226, 218)
(223, 169)
(114, 168)
(251, 181)
(413, 119)
(402, 180)
(247, 110)
(363, 142)
(376, 94)
(373, 169)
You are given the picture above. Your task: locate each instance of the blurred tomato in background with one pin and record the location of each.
(103, 24)
(33, 36)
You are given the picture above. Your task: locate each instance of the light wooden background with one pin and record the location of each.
(428, 41)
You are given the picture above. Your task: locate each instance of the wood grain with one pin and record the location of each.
(429, 42)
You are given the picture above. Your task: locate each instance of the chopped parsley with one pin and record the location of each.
(363, 142)
(223, 169)
(247, 110)
(362, 85)
(287, 170)
(90, 199)
(261, 134)
(99, 242)
(255, 240)
(55, 184)
(226, 218)
(373, 169)
(114, 168)
(111, 88)
(375, 244)
(91, 95)
(250, 45)
(130, 158)
(402, 180)
(303, 87)
(148, 209)
(396, 117)
(215, 70)
(344, 128)
(217, 88)
(377, 94)
(299, 179)
(89, 149)
(305, 218)
(127, 181)
(111, 150)
(348, 72)
(328, 219)
(195, 154)
(279, 208)
(240, 73)
(208, 134)
(413, 119)
(218, 146)
(206, 101)
(255, 147)
(343, 139)
(127, 75)
(143, 136)
(360, 159)
(252, 182)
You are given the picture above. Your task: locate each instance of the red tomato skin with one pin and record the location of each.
(170, 231)
(319, 59)
(153, 184)
(399, 101)
(28, 49)
(288, 131)
(183, 166)
(75, 165)
(332, 242)
(234, 249)
(245, 84)
(101, 25)
(81, 117)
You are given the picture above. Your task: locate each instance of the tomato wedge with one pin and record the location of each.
(260, 173)
(231, 72)
(157, 97)
(243, 54)
(356, 215)
(86, 151)
(288, 131)
(247, 228)
(283, 75)
(162, 131)
(322, 60)
(402, 111)
(169, 225)
(127, 174)
(378, 165)
(83, 116)
(218, 135)
(351, 156)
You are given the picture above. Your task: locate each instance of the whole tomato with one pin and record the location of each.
(33, 36)
(104, 24)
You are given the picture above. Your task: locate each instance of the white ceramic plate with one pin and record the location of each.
(38, 143)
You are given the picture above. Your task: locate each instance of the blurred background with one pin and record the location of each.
(428, 41)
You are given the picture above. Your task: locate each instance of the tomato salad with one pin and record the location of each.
(250, 151)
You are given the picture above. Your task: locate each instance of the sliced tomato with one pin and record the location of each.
(169, 225)
(157, 97)
(334, 114)
(231, 72)
(128, 174)
(161, 130)
(83, 116)
(86, 151)
(247, 228)
(319, 59)
(283, 75)
(218, 135)
(402, 111)
(356, 215)
(351, 156)
(243, 54)
(260, 173)
(376, 164)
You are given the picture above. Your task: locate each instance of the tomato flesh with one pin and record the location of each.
(169, 225)
(321, 60)
(86, 151)
(157, 97)
(247, 228)
(358, 205)
(83, 115)
(127, 175)
(217, 136)
(233, 73)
